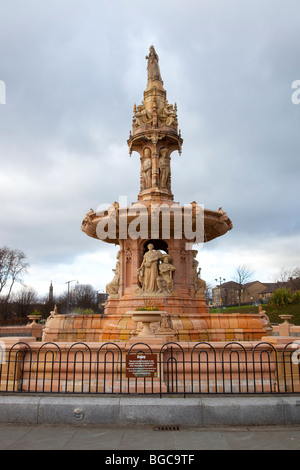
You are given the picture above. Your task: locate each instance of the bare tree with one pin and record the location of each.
(282, 276)
(84, 296)
(289, 278)
(208, 291)
(243, 274)
(5, 254)
(25, 300)
(296, 273)
(12, 265)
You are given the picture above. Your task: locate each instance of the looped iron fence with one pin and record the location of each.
(185, 369)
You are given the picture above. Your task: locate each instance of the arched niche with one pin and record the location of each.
(160, 245)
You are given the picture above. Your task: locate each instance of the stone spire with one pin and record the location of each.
(51, 292)
(155, 135)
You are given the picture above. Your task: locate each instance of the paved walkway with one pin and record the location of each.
(87, 437)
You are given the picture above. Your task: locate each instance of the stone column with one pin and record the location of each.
(155, 167)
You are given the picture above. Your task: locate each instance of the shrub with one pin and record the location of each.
(35, 312)
(84, 311)
(296, 297)
(281, 297)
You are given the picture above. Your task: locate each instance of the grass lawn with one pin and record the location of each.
(272, 312)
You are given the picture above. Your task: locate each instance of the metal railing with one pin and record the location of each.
(202, 368)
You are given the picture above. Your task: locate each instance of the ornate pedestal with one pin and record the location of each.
(146, 318)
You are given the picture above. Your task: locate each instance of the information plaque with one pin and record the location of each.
(141, 365)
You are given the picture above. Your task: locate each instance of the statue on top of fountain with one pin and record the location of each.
(153, 67)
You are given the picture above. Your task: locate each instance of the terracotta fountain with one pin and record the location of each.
(156, 270)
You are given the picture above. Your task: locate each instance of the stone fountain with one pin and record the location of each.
(157, 260)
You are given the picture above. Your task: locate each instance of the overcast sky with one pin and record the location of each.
(73, 70)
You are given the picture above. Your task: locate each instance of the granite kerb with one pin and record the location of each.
(139, 410)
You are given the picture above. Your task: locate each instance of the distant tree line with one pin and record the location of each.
(82, 298)
(14, 307)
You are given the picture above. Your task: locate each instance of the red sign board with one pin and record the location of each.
(141, 365)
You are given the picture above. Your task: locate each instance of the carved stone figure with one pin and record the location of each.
(147, 169)
(199, 284)
(164, 168)
(88, 219)
(166, 327)
(167, 115)
(141, 116)
(113, 286)
(166, 323)
(148, 271)
(153, 67)
(54, 313)
(224, 217)
(165, 278)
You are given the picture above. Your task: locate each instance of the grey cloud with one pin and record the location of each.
(73, 73)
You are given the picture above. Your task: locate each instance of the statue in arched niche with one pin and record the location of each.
(165, 278)
(148, 270)
(164, 167)
(147, 169)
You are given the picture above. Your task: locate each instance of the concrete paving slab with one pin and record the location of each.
(34, 437)
(95, 438)
(263, 440)
(12, 433)
(135, 438)
(201, 439)
(147, 438)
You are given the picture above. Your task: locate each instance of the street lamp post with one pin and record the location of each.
(220, 284)
(68, 298)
